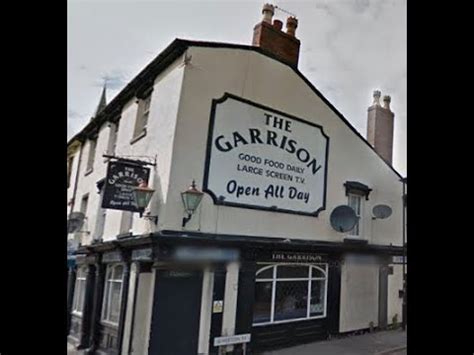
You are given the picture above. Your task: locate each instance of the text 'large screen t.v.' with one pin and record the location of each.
(261, 158)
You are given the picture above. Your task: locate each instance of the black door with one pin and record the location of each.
(176, 311)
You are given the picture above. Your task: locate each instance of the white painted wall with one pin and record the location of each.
(143, 310)
(359, 293)
(230, 301)
(129, 311)
(206, 311)
(250, 75)
(158, 142)
(395, 303)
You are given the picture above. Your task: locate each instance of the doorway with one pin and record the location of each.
(176, 312)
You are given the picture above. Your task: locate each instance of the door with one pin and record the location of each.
(176, 311)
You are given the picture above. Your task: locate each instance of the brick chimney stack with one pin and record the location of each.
(380, 126)
(270, 37)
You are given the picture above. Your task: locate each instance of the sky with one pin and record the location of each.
(349, 48)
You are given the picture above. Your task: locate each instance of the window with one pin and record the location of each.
(84, 203)
(112, 145)
(355, 201)
(91, 157)
(79, 291)
(290, 292)
(142, 117)
(70, 161)
(112, 294)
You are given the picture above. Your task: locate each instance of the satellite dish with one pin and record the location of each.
(75, 222)
(381, 211)
(343, 218)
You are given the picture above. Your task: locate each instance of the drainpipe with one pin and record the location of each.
(404, 305)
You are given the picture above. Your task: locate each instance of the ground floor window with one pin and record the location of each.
(112, 294)
(79, 291)
(290, 292)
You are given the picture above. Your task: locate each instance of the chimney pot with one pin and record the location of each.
(376, 96)
(277, 24)
(269, 36)
(291, 25)
(268, 11)
(386, 102)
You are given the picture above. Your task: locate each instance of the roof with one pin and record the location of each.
(168, 56)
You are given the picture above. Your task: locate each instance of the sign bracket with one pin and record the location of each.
(132, 159)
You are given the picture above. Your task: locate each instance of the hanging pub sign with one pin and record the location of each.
(261, 158)
(121, 179)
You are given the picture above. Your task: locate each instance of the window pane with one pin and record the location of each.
(82, 285)
(105, 306)
(291, 300)
(317, 272)
(145, 120)
(118, 272)
(263, 301)
(265, 274)
(317, 298)
(146, 104)
(115, 301)
(292, 271)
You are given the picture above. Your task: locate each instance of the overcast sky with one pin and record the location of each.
(348, 48)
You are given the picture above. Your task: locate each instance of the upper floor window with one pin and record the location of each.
(143, 113)
(357, 193)
(70, 161)
(84, 202)
(290, 292)
(112, 145)
(355, 201)
(112, 294)
(91, 157)
(79, 291)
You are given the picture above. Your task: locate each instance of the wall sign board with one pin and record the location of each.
(232, 339)
(261, 158)
(120, 181)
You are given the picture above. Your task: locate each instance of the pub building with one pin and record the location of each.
(199, 205)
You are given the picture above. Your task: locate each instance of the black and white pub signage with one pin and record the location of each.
(261, 158)
(121, 179)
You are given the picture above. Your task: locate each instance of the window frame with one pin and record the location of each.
(142, 118)
(107, 296)
(359, 214)
(70, 162)
(91, 154)
(274, 280)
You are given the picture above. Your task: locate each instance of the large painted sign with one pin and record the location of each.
(261, 158)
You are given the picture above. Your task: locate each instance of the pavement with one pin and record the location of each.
(390, 342)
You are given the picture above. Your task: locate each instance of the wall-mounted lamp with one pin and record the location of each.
(143, 194)
(191, 200)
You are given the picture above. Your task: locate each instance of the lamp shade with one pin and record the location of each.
(191, 198)
(142, 194)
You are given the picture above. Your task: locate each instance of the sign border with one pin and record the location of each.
(216, 200)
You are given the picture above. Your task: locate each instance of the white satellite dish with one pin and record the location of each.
(381, 211)
(75, 222)
(343, 218)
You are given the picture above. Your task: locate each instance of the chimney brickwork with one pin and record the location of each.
(380, 120)
(271, 38)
